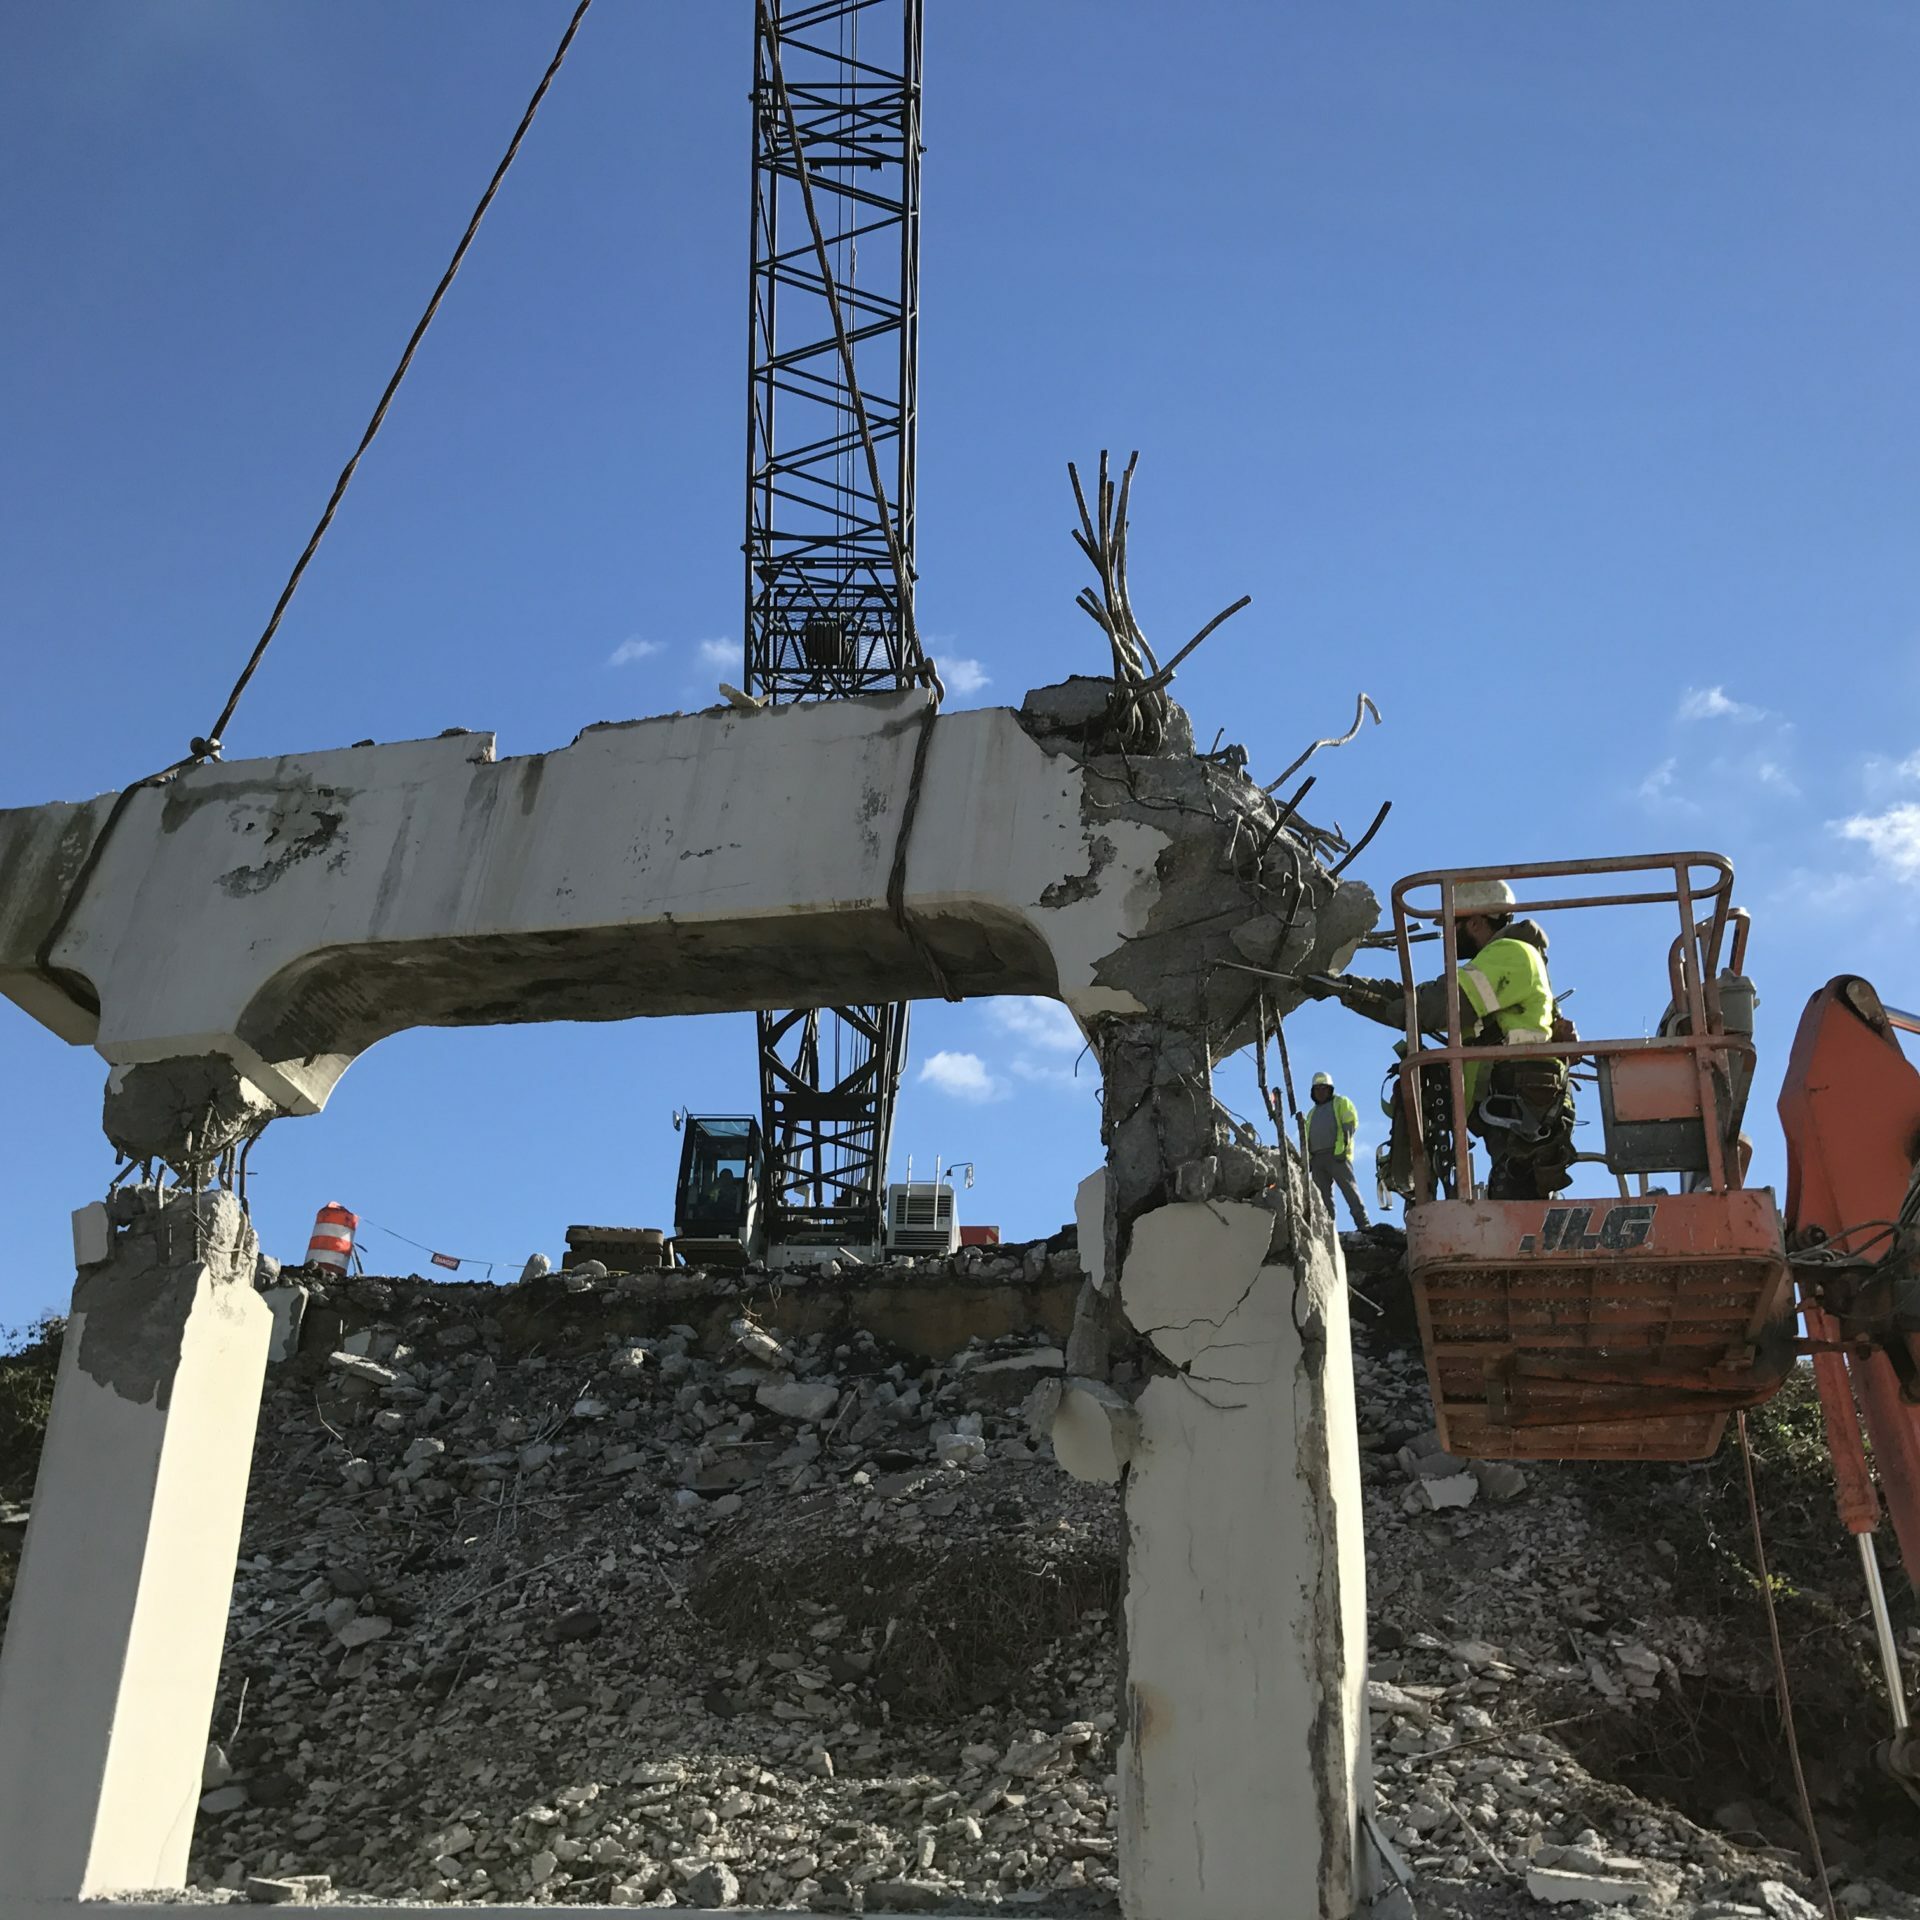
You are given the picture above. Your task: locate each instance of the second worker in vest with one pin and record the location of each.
(1330, 1128)
(1522, 1109)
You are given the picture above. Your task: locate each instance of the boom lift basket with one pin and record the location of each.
(1624, 1325)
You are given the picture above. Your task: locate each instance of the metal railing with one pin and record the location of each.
(1698, 885)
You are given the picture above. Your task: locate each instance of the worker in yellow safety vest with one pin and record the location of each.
(1521, 1108)
(1330, 1129)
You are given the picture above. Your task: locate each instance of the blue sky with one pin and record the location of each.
(1545, 371)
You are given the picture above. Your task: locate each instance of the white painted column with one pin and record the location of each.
(112, 1653)
(1245, 1767)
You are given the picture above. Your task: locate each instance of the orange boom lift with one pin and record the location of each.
(1626, 1320)
(1617, 1322)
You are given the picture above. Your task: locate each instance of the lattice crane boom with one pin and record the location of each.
(830, 530)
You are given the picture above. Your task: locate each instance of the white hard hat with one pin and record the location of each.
(1482, 896)
(1323, 1079)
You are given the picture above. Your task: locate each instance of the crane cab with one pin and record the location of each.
(1627, 1316)
(718, 1210)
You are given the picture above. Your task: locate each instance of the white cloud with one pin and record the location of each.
(1770, 773)
(1892, 837)
(963, 1075)
(1660, 790)
(634, 648)
(964, 676)
(1713, 703)
(719, 653)
(1041, 1023)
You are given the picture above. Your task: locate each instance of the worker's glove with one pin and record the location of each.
(1367, 996)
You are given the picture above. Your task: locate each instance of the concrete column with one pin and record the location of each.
(1244, 1767)
(112, 1652)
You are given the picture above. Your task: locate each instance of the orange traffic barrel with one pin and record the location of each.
(332, 1242)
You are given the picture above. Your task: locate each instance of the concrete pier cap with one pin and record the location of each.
(255, 925)
(246, 929)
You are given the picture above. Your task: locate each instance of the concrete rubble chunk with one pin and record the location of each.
(1094, 1430)
(758, 1345)
(1090, 1225)
(1499, 1479)
(715, 1885)
(1032, 1360)
(361, 1368)
(1435, 1465)
(289, 1306)
(1385, 1698)
(1782, 1903)
(1450, 1490)
(798, 1399)
(1555, 1885)
(298, 1889)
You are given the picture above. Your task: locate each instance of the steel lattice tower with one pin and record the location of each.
(827, 611)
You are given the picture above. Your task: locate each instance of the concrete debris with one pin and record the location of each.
(757, 1345)
(362, 1368)
(1780, 1902)
(300, 1890)
(1554, 1884)
(700, 1650)
(797, 1400)
(1499, 1479)
(1429, 1495)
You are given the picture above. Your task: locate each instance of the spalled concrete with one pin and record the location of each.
(113, 1649)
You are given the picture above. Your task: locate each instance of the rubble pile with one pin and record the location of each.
(695, 1589)
(716, 1613)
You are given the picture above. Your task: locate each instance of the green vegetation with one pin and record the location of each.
(28, 1357)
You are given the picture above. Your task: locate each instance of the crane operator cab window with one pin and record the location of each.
(717, 1183)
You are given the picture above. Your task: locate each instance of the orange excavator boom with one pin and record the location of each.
(1850, 1110)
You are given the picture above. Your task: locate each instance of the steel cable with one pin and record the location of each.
(1780, 1674)
(209, 745)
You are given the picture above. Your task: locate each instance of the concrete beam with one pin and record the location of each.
(112, 1653)
(288, 913)
(269, 920)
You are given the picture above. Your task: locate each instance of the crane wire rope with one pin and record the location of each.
(208, 746)
(1780, 1674)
